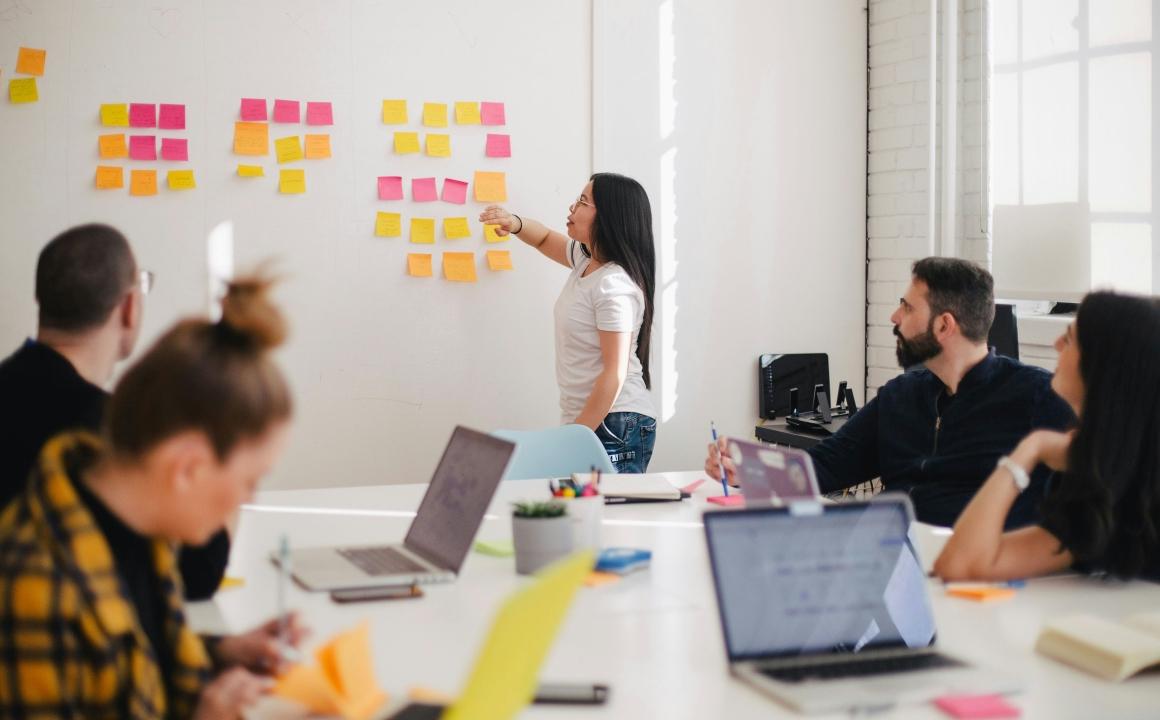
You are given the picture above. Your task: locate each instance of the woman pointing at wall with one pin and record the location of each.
(604, 313)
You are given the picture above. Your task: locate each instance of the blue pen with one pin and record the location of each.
(724, 481)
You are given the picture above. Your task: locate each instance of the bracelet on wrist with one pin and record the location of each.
(517, 217)
(1018, 475)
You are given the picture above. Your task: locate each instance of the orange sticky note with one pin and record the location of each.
(143, 182)
(180, 180)
(112, 146)
(455, 228)
(30, 61)
(490, 234)
(467, 113)
(251, 138)
(23, 90)
(597, 578)
(251, 171)
(981, 593)
(292, 182)
(419, 265)
(317, 147)
(288, 149)
(499, 260)
(115, 115)
(110, 178)
(459, 266)
(394, 112)
(423, 231)
(309, 687)
(490, 187)
(406, 143)
(435, 114)
(438, 145)
(388, 224)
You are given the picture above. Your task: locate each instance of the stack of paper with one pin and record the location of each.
(343, 681)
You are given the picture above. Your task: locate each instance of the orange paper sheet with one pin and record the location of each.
(30, 61)
(490, 187)
(419, 265)
(251, 138)
(143, 182)
(110, 178)
(499, 260)
(343, 682)
(113, 146)
(459, 266)
(317, 147)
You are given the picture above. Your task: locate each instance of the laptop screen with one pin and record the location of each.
(828, 579)
(458, 496)
(768, 472)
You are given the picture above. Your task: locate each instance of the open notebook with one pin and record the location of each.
(1111, 650)
(634, 487)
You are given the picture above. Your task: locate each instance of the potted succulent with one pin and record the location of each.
(541, 533)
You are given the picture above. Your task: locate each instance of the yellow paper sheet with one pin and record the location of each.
(251, 171)
(489, 234)
(143, 182)
(388, 224)
(395, 112)
(180, 180)
(112, 146)
(438, 145)
(251, 138)
(499, 260)
(292, 182)
(317, 147)
(435, 114)
(419, 265)
(110, 178)
(423, 231)
(30, 61)
(490, 187)
(467, 113)
(459, 266)
(307, 686)
(288, 149)
(23, 90)
(348, 656)
(115, 115)
(406, 143)
(455, 228)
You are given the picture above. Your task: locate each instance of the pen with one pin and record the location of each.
(724, 481)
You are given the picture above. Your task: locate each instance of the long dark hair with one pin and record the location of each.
(623, 234)
(1107, 504)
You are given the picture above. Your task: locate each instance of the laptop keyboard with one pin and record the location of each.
(381, 561)
(861, 667)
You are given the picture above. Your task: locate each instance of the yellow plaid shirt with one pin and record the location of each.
(71, 645)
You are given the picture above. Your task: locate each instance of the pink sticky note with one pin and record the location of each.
(976, 706)
(491, 113)
(142, 115)
(390, 187)
(254, 109)
(287, 111)
(454, 191)
(423, 189)
(734, 500)
(172, 117)
(142, 147)
(499, 145)
(691, 487)
(175, 149)
(319, 113)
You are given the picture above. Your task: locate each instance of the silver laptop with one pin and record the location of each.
(441, 533)
(768, 473)
(825, 607)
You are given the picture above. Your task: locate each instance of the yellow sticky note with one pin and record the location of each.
(115, 115)
(288, 149)
(438, 145)
(981, 593)
(455, 228)
(467, 113)
(143, 182)
(113, 146)
(30, 61)
(394, 112)
(406, 142)
(180, 180)
(435, 114)
(459, 266)
(597, 578)
(317, 147)
(490, 234)
(499, 260)
(110, 178)
(419, 264)
(423, 231)
(230, 582)
(251, 138)
(292, 182)
(490, 187)
(251, 171)
(388, 224)
(22, 90)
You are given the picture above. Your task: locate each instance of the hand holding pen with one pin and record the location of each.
(714, 446)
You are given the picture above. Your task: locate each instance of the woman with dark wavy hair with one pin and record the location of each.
(1102, 511)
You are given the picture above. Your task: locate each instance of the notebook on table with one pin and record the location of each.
(637, 487)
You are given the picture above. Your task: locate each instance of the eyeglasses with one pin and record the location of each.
(580, 201)
(145, 281)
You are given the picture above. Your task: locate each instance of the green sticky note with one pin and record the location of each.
(495, 548)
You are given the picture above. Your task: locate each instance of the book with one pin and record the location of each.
(634, 487)
(1113, 651)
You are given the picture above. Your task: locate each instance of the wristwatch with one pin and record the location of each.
(1018, 474)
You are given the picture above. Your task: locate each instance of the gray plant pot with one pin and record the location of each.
(540, 541)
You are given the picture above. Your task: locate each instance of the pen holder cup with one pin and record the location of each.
(540, 540)
(587, 514)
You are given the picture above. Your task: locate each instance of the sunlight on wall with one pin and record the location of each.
(219, 263)
(666, 237)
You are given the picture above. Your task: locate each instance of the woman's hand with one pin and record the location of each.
(260, 650)
(716, 458)
(229, 694)
(1044, 446)
(495, 215)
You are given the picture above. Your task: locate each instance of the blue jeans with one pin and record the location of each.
(628, 439)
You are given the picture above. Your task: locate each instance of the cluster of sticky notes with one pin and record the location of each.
(29, 61)
(342, 683)
(435, 115)
(252, 137)
(148, 148)
(457, 266)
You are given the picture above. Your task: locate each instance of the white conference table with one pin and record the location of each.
(654, 637)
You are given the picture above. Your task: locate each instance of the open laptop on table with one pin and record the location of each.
(440, 535)
(767, 473)
(825, 607)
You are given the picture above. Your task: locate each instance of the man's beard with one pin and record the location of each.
(918, 349)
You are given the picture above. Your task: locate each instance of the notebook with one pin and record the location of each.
(1110, 650)
(636, 487)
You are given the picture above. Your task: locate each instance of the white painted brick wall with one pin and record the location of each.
(897, 187)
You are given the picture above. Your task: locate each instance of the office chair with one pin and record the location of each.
(1004, 335)
(555, 452)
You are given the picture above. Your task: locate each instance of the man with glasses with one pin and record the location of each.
(90, 294)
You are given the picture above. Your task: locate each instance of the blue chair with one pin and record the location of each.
(555, 452)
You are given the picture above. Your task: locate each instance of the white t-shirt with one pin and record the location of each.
(607, 299)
